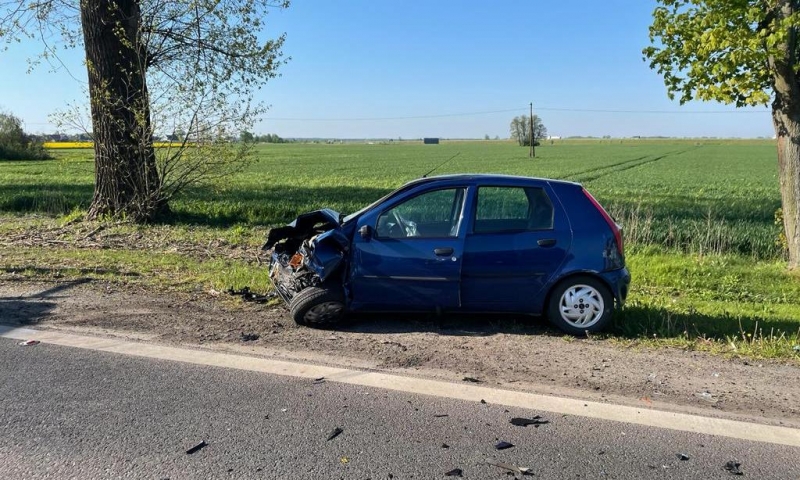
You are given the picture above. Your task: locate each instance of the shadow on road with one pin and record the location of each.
(469, 325)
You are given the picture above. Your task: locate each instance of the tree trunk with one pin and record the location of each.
(786, 119)
(126, 179)
(787, 129)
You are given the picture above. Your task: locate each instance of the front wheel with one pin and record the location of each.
(579, 305)
(318, 307)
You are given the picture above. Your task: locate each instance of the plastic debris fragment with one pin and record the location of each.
(733, 467)
(524, 422)
(335, 433)
(29, 343)
(456, 472)
(503, 445)
(511, 468)
(249, 296)
(196, 448)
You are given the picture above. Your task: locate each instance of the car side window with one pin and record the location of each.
(512, 209)
(433, 214)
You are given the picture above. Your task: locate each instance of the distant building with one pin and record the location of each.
(430, 141)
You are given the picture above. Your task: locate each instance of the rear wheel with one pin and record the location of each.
(318, 307)
(580, 304)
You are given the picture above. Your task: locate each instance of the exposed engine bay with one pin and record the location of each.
(306, 253)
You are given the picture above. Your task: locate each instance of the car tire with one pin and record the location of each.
(579, 305)
(318, 307)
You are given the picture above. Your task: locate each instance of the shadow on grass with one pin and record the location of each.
(205, 206)
(46, 271)
(637, 322)
(268, 205)
(50, 198)
(32, 309)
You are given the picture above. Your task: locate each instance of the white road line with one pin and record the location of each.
(602, 411)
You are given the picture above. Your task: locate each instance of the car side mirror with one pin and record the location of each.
(364, 231)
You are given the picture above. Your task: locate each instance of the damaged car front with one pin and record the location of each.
(307, 260)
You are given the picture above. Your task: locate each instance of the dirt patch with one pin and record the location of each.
(507, 352)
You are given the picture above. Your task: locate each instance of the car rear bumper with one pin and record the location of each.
(619, 281)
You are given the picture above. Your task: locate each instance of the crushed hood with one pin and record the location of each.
(305, 226)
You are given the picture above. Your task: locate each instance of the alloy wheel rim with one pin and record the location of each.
(581, 306)
(324, 312)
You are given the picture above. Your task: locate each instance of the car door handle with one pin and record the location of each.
(546, 242)
(441, 252)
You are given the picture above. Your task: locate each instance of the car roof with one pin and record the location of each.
(484, 178)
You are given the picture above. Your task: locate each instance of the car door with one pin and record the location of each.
(410, 255)
(518, 237)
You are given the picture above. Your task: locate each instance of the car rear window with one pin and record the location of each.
(512, 209)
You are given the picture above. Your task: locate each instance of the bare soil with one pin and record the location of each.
(505, 352)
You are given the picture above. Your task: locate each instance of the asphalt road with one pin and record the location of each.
(76, 413)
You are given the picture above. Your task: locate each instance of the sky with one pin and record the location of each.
(443, 68)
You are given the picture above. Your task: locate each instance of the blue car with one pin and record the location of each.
(457, 243)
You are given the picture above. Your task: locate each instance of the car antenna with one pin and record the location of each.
(437, 166)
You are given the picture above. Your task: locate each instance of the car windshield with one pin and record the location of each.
(355, 215)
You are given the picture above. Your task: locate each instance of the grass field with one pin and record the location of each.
(699, 220)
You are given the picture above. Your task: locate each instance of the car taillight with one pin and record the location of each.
(611, 223)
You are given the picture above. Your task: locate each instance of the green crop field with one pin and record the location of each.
(699, 218)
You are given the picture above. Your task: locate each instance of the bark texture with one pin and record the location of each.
(786, 119)
(126, 178)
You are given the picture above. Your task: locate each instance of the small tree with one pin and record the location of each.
(247, 137)
(15, 144)
(521, 130)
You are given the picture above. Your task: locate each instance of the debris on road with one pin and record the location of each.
(683, 456)
(524, 422)
(471, 380)
(441, 415)
(525, 471)
(319, 380)
(483, 401)
(249, 296)
(456, 472)
(344, 460)
(503, 445)
(335, 433)
(733, 467)
(249, 337)
(705, 396)
(444, 445)
(29, 343)
(196, 448)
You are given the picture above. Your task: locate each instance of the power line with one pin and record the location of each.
(518, 110)
(396, 118)
(671, 112)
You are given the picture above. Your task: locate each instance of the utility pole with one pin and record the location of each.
(533, 150)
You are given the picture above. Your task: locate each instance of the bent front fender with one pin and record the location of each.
(328, 253)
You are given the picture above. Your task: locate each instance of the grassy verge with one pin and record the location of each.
(707, 271)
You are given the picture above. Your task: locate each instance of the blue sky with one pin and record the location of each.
(389, 69)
